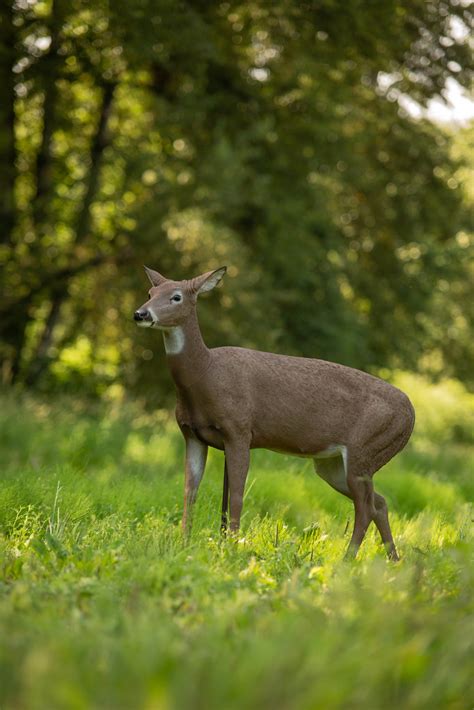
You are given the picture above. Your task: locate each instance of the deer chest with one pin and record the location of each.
(191, 418)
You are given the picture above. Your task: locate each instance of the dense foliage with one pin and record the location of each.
(268, 136)
(103, 606)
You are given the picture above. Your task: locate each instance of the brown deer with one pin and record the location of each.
(234, 399)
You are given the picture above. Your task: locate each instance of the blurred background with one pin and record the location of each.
(307, 145)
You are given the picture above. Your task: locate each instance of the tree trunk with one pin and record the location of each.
(13, 338)
(12, 328)
(43, 167)
(7, 124)
(40, 359)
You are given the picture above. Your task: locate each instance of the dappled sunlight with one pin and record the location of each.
(444, 410)
(413, 492)
(159, 449)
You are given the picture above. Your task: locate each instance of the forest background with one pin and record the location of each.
(288, 140)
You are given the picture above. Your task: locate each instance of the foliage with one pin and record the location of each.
(266, 135)
(102, 605)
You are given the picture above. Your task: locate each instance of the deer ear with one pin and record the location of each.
(155, 277)
(207, 281)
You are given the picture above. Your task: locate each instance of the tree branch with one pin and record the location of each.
(40, 359)
(55, 279)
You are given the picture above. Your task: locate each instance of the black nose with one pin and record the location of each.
(141, 314)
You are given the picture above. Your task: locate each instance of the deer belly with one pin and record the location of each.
(290, 439)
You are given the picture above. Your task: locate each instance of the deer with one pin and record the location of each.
(237, 399)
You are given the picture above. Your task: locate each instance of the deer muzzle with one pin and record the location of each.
(143, 317)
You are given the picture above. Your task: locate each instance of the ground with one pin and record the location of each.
(102, 605)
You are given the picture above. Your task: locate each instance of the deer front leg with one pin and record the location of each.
(237, 459)
(225, 501)
(196, 455)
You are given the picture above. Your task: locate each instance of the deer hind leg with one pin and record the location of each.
(362, 493)
(332, 466)
(383, 526)
(332, 469)
(379, 509)
(368, 504)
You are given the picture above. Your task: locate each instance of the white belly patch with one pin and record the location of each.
(331, 465)
(334, 450)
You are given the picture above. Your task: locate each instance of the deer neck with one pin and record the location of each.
(187, 354)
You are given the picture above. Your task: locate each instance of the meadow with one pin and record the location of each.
(103, 605)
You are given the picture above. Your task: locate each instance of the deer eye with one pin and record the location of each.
(176, 298)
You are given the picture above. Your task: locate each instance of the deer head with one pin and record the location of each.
(171, 302)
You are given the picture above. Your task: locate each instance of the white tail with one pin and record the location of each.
(235, 399)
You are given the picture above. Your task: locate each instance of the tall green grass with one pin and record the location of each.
(102, 605)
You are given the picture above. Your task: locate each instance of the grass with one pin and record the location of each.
(103, 606)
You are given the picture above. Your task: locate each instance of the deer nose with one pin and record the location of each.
(141, 314)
